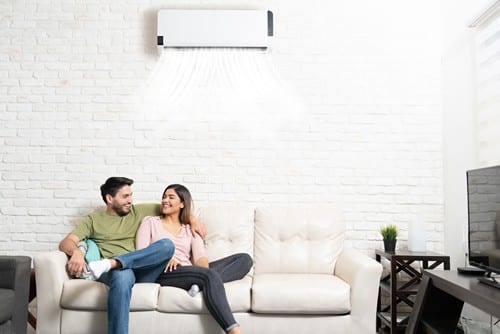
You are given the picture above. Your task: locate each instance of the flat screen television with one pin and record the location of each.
(483, 196)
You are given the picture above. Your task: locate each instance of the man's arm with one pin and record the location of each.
(197, 227)
(76, 263)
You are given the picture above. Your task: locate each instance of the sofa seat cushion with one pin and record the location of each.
(175, 300)
(79, 294)
(300, 294)
(8, 297)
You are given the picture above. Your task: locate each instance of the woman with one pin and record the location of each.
(189, 267)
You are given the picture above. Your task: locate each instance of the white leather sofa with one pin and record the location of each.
(304, 281)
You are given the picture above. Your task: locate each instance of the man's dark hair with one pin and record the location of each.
(113, 184)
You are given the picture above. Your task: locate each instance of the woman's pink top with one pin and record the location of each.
(188, 248)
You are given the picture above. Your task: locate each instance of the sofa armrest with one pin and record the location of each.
(50, 271)
(15, 275)
(363, 275)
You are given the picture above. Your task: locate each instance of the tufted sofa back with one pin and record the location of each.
(297, 240)
(280, 240)
(230, 229)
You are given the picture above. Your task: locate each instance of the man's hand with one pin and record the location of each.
(76, 264)
(197, 227)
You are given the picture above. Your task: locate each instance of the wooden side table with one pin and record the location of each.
(400, 291)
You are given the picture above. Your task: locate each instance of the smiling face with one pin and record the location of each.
(171, 203)
(120, 204)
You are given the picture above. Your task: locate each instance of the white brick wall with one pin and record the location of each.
(365, 133)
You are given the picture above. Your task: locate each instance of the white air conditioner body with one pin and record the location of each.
(220, 28)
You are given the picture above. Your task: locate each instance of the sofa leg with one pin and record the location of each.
(32, 320)
(31, 317)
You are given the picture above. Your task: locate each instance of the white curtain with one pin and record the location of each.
(488, 89)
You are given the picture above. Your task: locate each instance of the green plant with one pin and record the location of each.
(389, 232)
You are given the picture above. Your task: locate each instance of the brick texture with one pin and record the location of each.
(344, 110)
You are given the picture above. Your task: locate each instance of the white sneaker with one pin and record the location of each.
(194, 290)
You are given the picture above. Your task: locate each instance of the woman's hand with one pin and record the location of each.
(202, 262)
(172, 265)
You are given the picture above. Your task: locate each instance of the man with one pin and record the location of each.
(114, 233)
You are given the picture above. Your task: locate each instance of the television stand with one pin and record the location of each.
(441, 297)
(491, 281)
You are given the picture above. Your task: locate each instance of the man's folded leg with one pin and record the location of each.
(158, 252)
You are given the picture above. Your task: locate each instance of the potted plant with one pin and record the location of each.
(389, 235)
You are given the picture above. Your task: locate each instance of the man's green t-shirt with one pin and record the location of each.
(115, 235)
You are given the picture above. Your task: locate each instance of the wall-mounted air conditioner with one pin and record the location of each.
(193, 28)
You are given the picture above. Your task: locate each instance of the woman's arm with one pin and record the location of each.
(198, 252)
(143, 235)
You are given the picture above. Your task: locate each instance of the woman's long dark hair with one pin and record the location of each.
(185, 197)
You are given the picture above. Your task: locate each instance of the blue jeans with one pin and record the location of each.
(141, 266)
(211, 282)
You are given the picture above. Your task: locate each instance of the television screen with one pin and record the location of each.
(483, 194)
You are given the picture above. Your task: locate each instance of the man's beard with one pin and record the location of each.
(119, 211)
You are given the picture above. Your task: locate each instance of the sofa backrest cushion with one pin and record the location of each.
(230, 230)
(297, 240)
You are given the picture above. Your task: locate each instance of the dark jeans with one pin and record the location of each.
(211, 282)
(141, 266)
